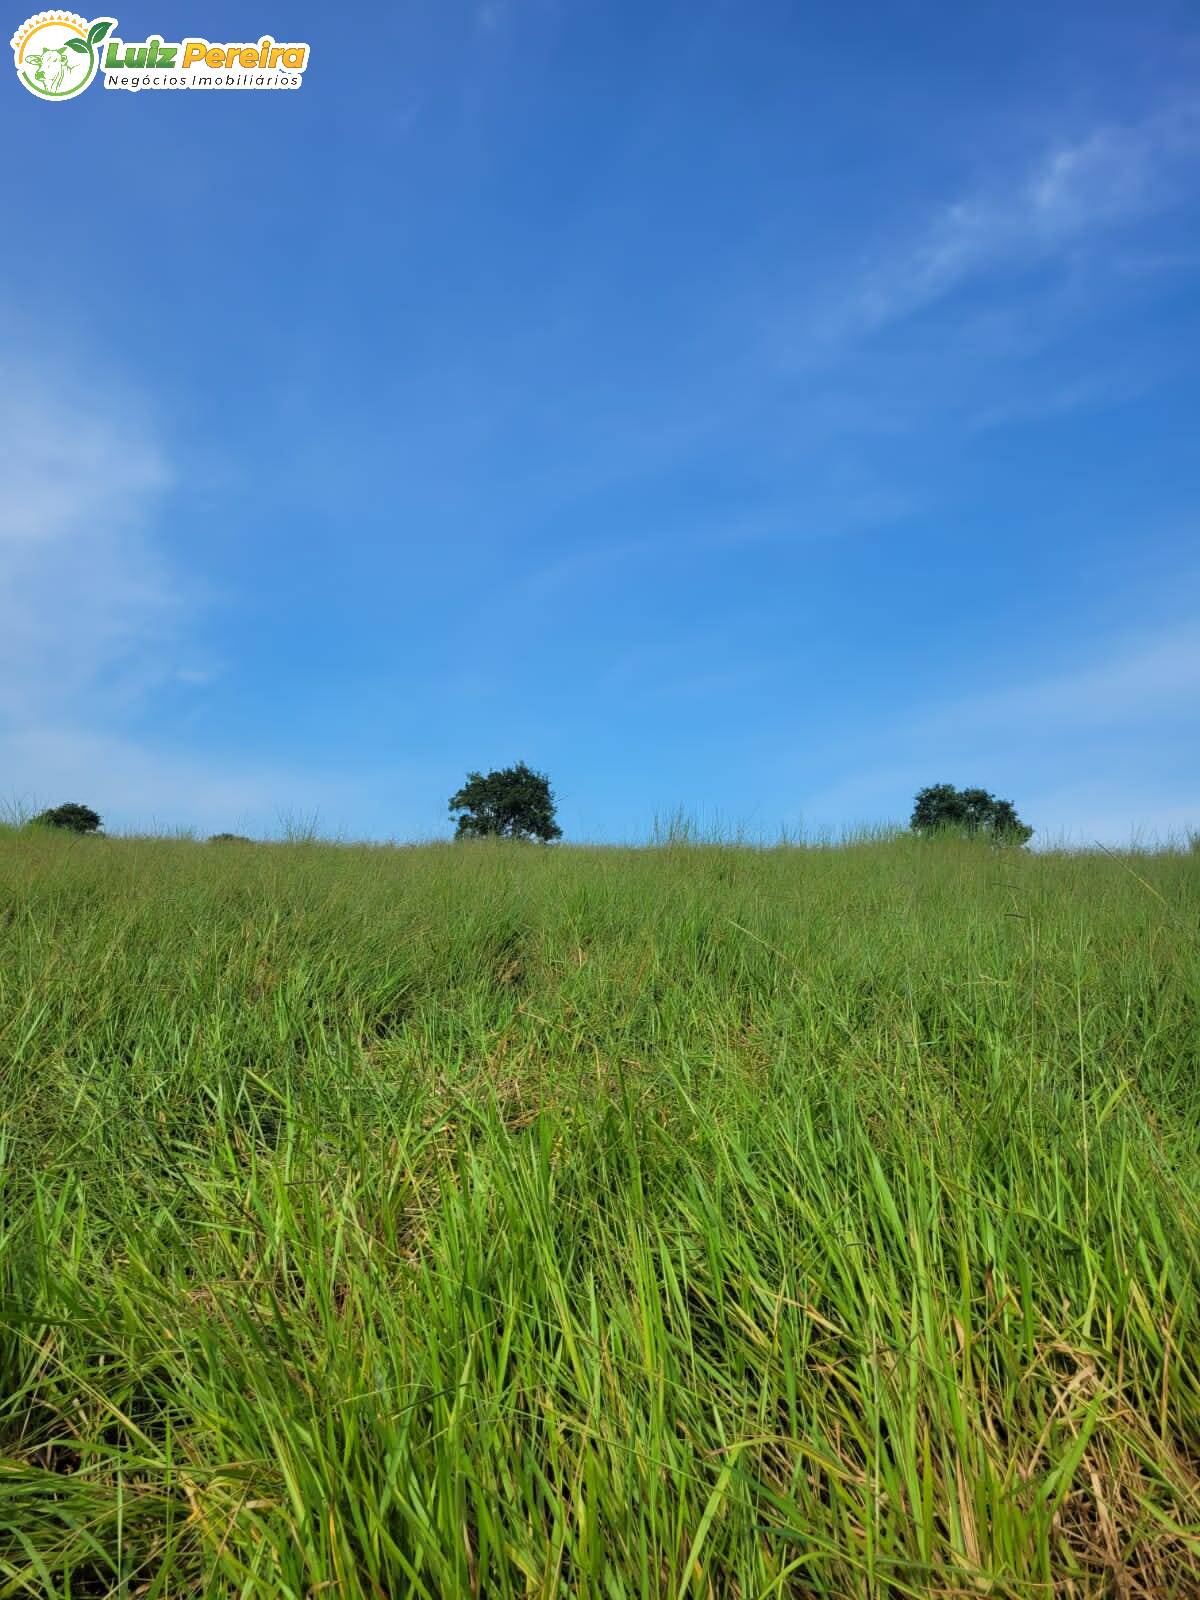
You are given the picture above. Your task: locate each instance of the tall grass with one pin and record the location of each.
(693, 1221)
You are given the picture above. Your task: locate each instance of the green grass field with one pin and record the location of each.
(691, 1221)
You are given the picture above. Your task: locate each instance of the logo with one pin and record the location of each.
(58, 54)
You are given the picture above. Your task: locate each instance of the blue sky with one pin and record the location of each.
(761, 409)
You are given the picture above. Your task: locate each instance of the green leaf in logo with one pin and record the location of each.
(97, 31)
(77, 44)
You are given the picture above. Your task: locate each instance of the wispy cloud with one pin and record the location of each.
(587, 565)
(1077, 189)
(86, 600)
(1104, 750)
(491, 14)
(1094, 391)
(1140, 681)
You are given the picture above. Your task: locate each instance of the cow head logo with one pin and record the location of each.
(57, 54)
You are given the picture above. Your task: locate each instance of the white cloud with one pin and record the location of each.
(153, 790)
(1141, 813)
(60, 461)
(95, 619)
(87, 603)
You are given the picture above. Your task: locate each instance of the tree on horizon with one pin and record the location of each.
(508, 803)
(941, 806)
(71, 816)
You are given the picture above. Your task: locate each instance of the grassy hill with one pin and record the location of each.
(690, 1221)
